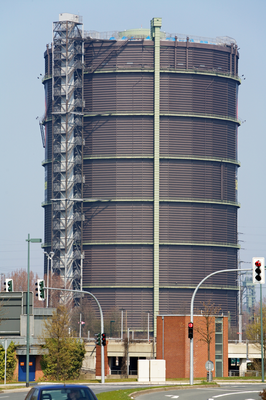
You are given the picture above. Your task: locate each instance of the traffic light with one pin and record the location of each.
(40, 289)
(104, 339)
(258, 264)
(190, 330)
(8, 285)
(98, 339)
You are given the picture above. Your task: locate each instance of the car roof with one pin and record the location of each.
(60, 386)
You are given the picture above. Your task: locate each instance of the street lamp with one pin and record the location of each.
(191, 361)
(28, 308)
(122, 324)
(148, 326)
(49, 257)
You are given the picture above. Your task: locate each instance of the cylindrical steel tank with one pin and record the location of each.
(198, 170)
(198, 91)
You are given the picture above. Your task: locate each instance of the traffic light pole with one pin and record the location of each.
(261, 336)
(102, 324)
(191, 376)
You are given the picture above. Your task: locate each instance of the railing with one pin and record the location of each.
(180, 37)
(119, 372)
(233, 372)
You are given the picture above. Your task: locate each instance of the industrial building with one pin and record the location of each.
(140, 137)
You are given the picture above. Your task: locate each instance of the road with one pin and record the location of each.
(226, 392)
(20, 394)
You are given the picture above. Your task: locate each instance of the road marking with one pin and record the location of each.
(230, 394)
(172, 397)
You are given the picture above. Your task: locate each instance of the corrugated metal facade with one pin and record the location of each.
(198, 172)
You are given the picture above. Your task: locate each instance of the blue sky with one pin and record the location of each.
(26, 28)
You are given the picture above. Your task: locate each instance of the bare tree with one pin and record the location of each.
(124, 359)
(253, 331)
(206, 328)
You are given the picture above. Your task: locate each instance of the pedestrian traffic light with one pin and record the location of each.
(98, 339)
(8, 285)
(40, 289)
(258, 265)
(190, 330)
(104, 339)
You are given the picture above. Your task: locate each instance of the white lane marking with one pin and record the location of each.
(172, 397)
(245, 399)
(230, 394)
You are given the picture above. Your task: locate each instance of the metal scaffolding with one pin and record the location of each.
(67, 178)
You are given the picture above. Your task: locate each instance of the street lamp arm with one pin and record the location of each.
(102, 323)
(203, 280)
(83, 291)
(192, 312)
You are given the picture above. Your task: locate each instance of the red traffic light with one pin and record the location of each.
(190, 330)
(258, 267)
(104, 339)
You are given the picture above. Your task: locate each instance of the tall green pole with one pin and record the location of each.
(28, 316)
(261, 336)
(156, 24)
(28, 309)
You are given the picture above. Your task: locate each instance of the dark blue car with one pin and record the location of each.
(61, 392)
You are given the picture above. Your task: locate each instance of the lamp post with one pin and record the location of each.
(148, 326)
(191, 361)
(49, 257)
(122, 324)
(29, 240)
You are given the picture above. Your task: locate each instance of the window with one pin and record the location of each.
(219, 347)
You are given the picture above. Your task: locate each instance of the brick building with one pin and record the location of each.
(173, 345)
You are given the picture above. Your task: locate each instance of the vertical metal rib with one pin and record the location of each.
(156, 24)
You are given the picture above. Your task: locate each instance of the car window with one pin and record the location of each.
(66, 394)
(54, 394)
(29, 394)
(32, 395)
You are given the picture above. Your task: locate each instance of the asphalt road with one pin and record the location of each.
(226, 392)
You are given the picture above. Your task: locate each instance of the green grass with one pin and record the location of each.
(237, 378)
(118, 394)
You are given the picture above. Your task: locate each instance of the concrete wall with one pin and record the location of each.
(89, 362)
(240, 350)
(135, 349)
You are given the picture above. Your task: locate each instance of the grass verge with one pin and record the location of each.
(119, 394)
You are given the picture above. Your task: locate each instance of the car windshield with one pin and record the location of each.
(67, 394)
